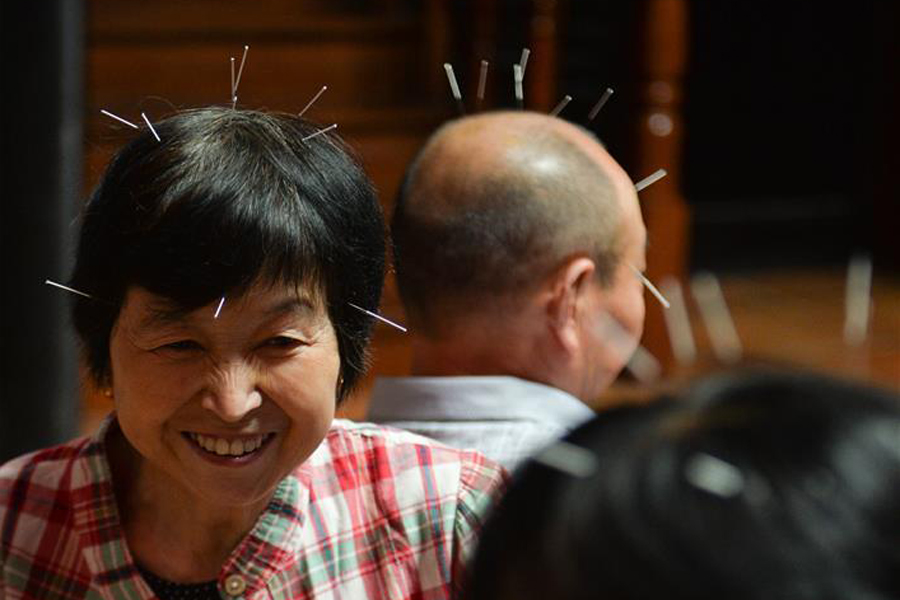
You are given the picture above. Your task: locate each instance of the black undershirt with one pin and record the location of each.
(167, 590)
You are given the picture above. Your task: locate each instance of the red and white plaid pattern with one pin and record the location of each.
(374, 513)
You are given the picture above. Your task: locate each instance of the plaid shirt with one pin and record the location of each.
(373, 513)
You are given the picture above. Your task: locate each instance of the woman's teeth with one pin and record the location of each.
(224, 447)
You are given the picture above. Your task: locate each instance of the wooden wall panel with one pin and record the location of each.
(111, 19)
(278, 75)
(659, 142)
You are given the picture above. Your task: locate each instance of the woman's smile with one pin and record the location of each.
(229, 450)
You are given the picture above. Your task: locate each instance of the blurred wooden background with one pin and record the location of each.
(381, 61)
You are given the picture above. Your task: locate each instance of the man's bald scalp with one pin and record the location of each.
(491, 206)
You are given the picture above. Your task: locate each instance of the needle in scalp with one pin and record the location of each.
(118, 118)
(517, 81)
(150, 125)
(67, 288)
(454, 88)
(482, 81)
(562, 104)
(603, 100)
(649, 285)
(319, 132)
(313, 101)
(237, 81)
(231, 96)
(523, 60)
(650, 179)
(379, 317)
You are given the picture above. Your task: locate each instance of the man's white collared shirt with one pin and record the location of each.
(505, 418)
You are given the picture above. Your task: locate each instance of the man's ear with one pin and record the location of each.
(570, 285)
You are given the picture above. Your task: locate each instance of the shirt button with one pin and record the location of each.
(235, 585)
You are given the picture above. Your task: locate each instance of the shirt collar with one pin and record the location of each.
(97, 521)
(271, 546)
(268, 548)
(473, 398)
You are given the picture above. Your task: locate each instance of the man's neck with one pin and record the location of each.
(510, 357)
(441, 358)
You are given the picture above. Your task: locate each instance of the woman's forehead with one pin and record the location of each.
(147, 310)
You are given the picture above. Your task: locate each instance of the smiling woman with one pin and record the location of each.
(254, 389)
(222, 264)
(226, 200)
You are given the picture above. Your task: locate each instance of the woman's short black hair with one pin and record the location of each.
(759, 486)
(226, 199)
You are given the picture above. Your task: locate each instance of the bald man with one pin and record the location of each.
(517, 239)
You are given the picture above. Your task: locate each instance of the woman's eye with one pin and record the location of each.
(181, 346)
(282, 342)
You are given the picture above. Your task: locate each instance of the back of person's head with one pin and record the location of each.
(756, 486)
(225, 200)
(492, 205)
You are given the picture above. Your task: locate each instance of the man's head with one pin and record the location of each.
(514, 232)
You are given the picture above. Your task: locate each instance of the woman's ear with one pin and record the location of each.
(569, 288)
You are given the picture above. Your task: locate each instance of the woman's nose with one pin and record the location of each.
(233, 392)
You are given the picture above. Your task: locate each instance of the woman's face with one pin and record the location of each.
(224, 401)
